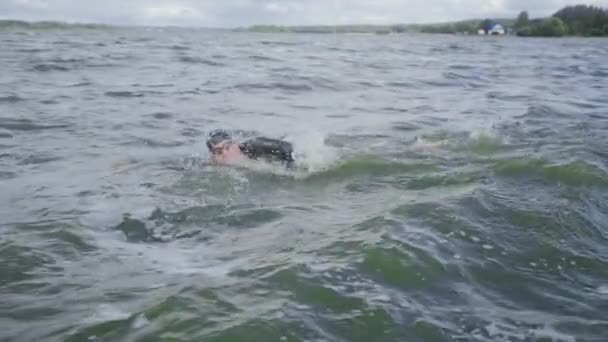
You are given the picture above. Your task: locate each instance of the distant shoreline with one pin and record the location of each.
(571, 21)
(347, 28)
(312, 29)
(40, 25)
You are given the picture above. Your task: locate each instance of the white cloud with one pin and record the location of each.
(32, 3)
(276, 7)
(172, 12)
(285, 12)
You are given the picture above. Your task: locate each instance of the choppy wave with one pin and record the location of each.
(123, 93)
(44, 67)
(162, 115)
(199, 60)
(574, 173)
(38, 159)
(263, 58)
(27, 125)
(371, 166)
(11, 99)
(285, 86)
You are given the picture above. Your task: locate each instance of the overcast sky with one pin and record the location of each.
(231, 13)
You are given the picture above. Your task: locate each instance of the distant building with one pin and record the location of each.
(497, 29)
(491, 27)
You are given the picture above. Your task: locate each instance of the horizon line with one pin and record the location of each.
(249, 26)
(68, 22)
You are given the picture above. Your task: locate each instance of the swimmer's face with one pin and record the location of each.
(221, 147)
(226, 151)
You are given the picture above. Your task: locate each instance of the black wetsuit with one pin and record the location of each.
(270, 150)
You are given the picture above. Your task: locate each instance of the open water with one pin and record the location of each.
(449, 188)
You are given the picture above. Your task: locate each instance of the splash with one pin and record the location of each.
(311, 156)
(485, 142)
(311, 152)
(425, 144)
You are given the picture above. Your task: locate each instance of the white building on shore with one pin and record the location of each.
(497, 29)
(494, 30)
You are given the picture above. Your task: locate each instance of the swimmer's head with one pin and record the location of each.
(218, 140)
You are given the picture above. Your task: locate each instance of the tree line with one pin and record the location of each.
(579, 20)
(45, 25)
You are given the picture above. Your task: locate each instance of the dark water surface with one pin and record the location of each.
(451, 188)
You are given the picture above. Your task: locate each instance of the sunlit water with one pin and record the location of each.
(448, 189)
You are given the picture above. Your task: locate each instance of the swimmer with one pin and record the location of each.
(225, 150)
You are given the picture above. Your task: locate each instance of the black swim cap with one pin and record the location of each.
(216, 137)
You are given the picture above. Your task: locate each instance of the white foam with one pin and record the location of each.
(482, 133)
(488, 135)
(311, 152)
(503, 331)
(603, 289)
(423, 145)
(551, 333)
(493, 330)
(106, 312)
(140, 321)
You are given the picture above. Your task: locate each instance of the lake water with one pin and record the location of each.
(449, 188)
